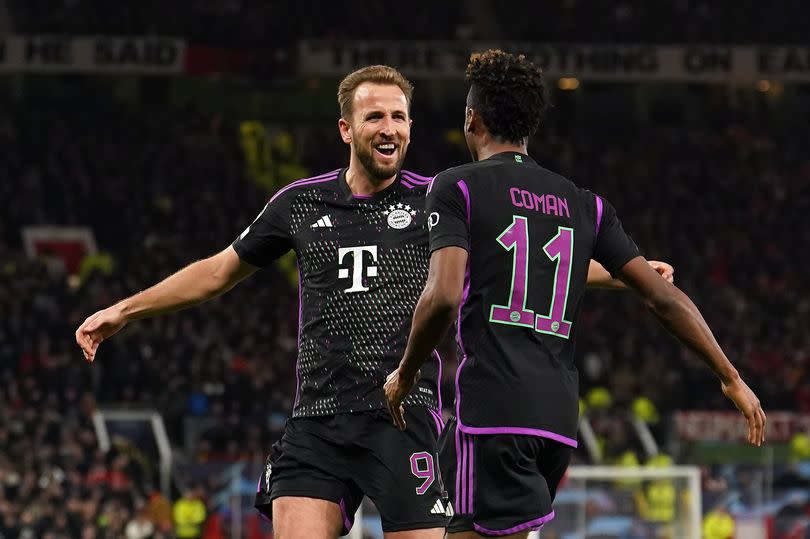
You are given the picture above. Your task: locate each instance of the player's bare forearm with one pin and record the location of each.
(436, 308)
(599, 277)
(192, 285)
(431, 320)
(679, 315)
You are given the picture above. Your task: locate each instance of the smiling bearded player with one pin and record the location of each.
(361, 238)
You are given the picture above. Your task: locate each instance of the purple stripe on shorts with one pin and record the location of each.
(523, 431)
(535, 524)
(459, 471)
(466, 193)
(471, 473)
(347, 522)
(598, 213)
(465, 463)
(329, 176)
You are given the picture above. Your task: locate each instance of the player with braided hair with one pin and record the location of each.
(510, 243)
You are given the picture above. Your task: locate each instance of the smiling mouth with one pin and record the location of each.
(387, 148)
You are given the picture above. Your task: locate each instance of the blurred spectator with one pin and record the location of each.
(726, 203)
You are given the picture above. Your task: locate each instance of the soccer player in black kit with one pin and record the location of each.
(510, 243)
(360, 234)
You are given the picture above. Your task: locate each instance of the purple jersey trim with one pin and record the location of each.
(347, 522)
(329, 176)
(492, 430)
(438, 420)
(466, 193)
(300, 320)
(416, 178)
(535, 524)
(406, 184)
(362, 197)
(598, 213)
(430, 186)
(460, 342)
(523, 431)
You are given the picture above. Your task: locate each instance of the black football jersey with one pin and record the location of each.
(362, 264)
(530, 234)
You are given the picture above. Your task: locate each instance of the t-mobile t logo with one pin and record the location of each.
(356, 270)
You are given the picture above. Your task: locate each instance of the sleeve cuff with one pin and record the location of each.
(450, 241)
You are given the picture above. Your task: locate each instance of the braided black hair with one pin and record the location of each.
(509, 93)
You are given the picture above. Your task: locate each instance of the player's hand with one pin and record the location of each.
(396, 390)
(746, 402)
(98, 327)
(664, 270)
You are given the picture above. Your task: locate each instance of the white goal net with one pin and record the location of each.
(606, 502)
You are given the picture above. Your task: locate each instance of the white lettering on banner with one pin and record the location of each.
(106, 54)
(356, 271)
(135, 52)
(732, 427)
(605, 62)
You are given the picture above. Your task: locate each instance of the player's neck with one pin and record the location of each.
(361, 183)
(492, 147)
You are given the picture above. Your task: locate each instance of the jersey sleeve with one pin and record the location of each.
(448, 207)
(614, 248)
(268, 237)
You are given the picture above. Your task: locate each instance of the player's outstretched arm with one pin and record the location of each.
(192, 285)
(599, 277)
(434, 314)
(681, 317)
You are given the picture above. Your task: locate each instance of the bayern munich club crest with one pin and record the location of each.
(399, 215)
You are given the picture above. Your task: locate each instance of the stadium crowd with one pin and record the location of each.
(727, 205)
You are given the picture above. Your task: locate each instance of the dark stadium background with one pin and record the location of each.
(136, 137)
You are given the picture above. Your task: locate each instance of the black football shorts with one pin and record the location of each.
(500, 484)
(342, 457)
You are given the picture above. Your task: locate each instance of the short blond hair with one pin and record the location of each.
(377, 74)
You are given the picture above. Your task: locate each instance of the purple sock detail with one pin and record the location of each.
(533, 525)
